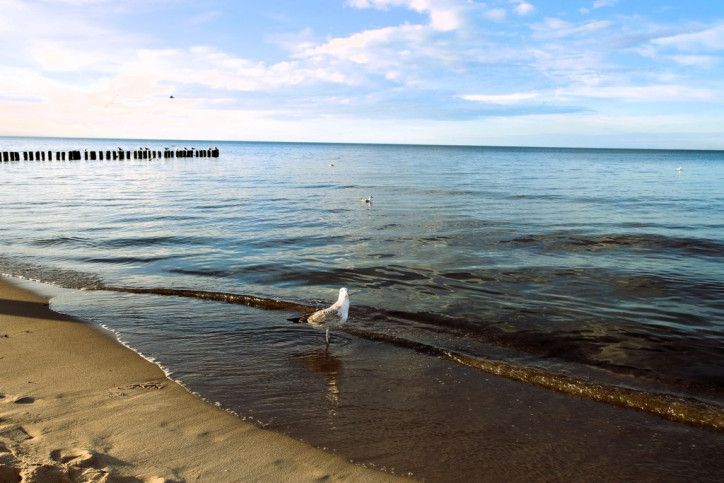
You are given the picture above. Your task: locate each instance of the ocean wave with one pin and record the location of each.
(72, 279)
(62, 241)
(126, 260)
(653, 243)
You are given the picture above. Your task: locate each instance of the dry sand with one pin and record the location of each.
(75, 405)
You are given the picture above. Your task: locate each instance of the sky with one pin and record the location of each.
(566, 73)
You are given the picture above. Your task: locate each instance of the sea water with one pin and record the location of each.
(593, 272)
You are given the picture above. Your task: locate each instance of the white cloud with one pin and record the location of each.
(495, 14)
(205, 17)
(695, 60)
(76, 3)
(363, 4)
(604, 3)
(215, 69)
(296, 42)
(598, 4)
(445, 19)
(555, 27)
(647, 93)
(708, 39)
(358, 47)
(150, 75)
(523, 7)
(503, 99)
(25, 19)
(27, 84)
(650, 93)
(66, 56)
(445, 15)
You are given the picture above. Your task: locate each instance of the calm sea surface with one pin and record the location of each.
(564, 270)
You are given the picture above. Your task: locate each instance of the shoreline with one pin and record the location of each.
(76, 404)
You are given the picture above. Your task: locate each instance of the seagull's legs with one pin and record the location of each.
(326, 335)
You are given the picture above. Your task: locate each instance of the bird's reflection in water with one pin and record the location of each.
(324, 362)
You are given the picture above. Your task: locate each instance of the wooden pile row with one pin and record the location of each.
(145, 153)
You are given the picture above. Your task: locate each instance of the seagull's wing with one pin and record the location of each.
(323, 316)
(331, 315)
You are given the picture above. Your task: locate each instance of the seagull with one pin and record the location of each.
(336, 314)
(368, 200)
(679, 169)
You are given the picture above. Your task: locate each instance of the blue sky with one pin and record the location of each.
(589, 73)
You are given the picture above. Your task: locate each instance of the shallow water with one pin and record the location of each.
(575, 270)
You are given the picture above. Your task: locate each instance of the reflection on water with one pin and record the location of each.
(323, 362)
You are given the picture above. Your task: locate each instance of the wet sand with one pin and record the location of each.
(75, 405)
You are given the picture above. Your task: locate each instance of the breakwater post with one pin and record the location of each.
(108, 154)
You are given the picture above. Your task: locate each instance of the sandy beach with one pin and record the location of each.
(75, 405)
